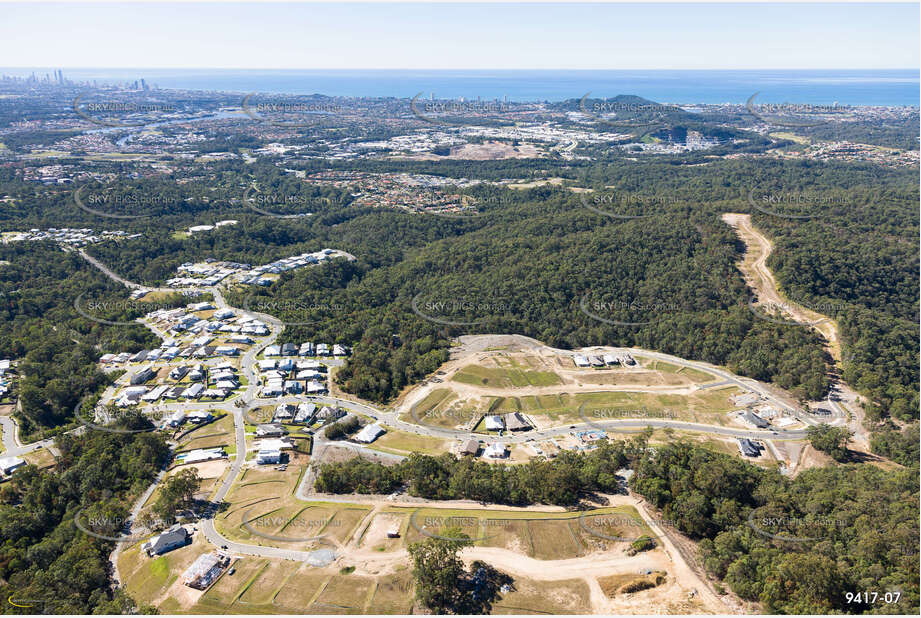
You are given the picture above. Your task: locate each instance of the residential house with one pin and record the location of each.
(496, 450)
(140, 357)
(514, 421)
(314, 386)
(329, 414)
(284, 412)
(142, 376)
(268, 430)
(748, 448)
(268, 456)
(205, 570)
(194, 391)
(470, 447)
(155, 394)
(199, 416)
(369, 434)
(494, 423)
(273, 388)
(305, 413)
(753, 419)
(8, 465)
(174, 538)
(174, 392)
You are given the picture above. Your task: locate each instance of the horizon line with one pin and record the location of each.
(174, 68)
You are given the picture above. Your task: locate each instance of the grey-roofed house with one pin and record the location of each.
(470, 447)
(305, 412)
(175, 537)
(748, 448)
(754, 419)
(330, 414)
(142, 376)
(270, 429)
(515, 422)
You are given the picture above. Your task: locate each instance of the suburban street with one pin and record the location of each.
(391, 419)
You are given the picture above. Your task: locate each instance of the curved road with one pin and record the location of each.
(391, 419)
(762, 280)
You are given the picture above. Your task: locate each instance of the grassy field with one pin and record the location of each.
(217, 433)
(262, 586)
(346, 594)
(268, 581)
(705, 406)
(541, 535)
(568, 596)
(265, 586)
(306, 582)
(799, 139)
(395, 441)
(41, 458)
(438, 399)
(441, 408)
(694, 375)
(153, 581)
(505, 377)
(264, 499)
(625, 583)
(392, 595)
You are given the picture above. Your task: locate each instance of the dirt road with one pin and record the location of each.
(761, 280)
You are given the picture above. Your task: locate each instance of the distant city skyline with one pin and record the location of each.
(414, 36)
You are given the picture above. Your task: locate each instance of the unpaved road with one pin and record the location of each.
(760, 278)
(587, 568)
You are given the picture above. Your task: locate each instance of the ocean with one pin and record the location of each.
(816, 87)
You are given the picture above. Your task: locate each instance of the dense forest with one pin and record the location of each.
(41, 289)
(797, 546)
(855, 257)
(539, 263)
(44, 556)
(562, 481)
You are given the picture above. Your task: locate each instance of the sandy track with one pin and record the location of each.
(760, 278)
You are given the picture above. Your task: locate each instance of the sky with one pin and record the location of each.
(467, 36)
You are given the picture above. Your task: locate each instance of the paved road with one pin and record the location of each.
(390, 418)
(130, 284)
(12, 447)
(132, 517)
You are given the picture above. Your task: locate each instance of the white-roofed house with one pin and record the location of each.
(369, 434)
(494, 423)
